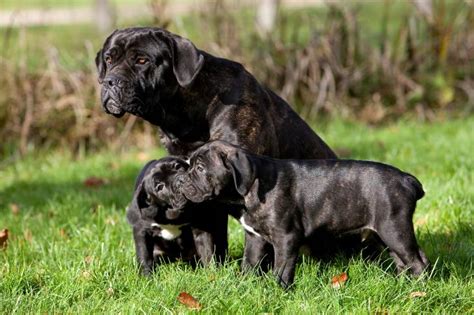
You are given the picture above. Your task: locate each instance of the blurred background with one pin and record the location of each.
(368, 61)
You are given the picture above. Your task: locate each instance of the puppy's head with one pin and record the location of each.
(140, 66)
(214, 166)
(159, 198)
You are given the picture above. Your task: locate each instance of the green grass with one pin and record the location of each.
(71, 250)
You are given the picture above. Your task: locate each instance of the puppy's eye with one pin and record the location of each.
(141, 61)
(159, 187)
(108, 60)
(199, 168)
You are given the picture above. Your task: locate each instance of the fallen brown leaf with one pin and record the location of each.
(3, 238)
(94, 181)
(416, 294)
(15, 209)
(338, 281)
(189, 301)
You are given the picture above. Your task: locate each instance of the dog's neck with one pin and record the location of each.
(192, 104)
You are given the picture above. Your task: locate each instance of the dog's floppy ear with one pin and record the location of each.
(187, 60)
(138, 202)
(243, 171)
(141, 196)
(99, 58)
(100, 64)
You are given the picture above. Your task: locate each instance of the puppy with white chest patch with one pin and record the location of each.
(164, 228)
(290, 202)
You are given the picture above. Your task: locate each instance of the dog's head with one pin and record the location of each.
(214, 166)
(159, 198)
(138, 67)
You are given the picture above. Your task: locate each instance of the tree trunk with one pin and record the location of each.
(266, 15)
(106, 16)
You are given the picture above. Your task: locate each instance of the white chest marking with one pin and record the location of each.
(248, 228)
(168, 231)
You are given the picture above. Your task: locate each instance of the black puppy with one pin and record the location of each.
(163, 229)
(288, 202)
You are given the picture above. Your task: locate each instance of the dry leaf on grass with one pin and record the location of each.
(189, 301)
(416, 294)
(15, 209)
(3, 238)
(94, 181)
(338, 281)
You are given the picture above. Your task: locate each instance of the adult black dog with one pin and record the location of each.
(289, 201)
(195, 97)
(165, 225)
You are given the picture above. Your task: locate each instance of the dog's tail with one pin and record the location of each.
(414, 184)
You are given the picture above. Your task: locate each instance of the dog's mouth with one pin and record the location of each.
(111, 107)
(197, 196)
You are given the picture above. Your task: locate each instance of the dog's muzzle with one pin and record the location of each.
(111, 107)
(115, 93)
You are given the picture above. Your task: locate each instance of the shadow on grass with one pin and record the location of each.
(450, 253)
(38, 196)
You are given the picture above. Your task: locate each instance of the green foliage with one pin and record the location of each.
(71, 250)
(375, 61)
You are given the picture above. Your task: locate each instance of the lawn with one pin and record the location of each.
(71, 251)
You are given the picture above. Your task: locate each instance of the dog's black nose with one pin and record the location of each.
(112, 81)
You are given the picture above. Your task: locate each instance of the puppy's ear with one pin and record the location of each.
(243, 171)
(138, 202)
(180, 166)
(141, 196)
(187, 60)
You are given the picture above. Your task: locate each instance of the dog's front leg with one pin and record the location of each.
(210, 234)
(257, 252)
(286, 254)
(204, 245)
(144, 250)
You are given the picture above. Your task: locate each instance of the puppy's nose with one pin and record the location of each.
(180, 180)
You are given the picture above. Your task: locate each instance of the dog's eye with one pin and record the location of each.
(141, 61)
(199, 168)
(108, 60)
(159, 186)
